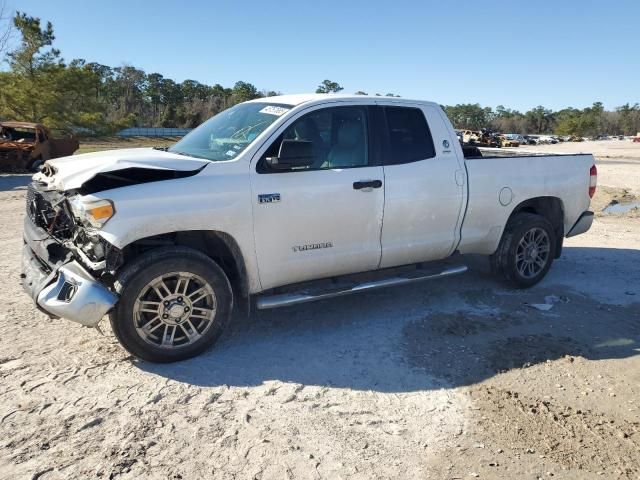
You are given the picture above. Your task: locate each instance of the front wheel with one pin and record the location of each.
(174, 303)
(526, 250)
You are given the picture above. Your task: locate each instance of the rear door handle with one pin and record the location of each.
(367, 184)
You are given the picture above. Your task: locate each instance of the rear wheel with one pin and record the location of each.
(174, 303)
(526, 250)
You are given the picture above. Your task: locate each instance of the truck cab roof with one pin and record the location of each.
(26, 125)
(299, 99)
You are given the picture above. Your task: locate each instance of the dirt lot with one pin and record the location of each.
(461, 378)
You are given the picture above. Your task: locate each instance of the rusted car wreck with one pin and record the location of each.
(26, 146)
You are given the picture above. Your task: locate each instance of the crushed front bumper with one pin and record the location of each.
(59, 285)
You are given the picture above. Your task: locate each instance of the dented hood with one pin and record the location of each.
(70, 173)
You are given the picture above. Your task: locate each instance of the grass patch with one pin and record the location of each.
(97, 144)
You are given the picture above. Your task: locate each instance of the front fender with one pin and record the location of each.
(199, 203)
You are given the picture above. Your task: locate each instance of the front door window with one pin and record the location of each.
(338, 136)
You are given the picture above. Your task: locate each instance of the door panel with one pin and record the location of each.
(421, 208)
(423, 201)
(323, 219)
(321, 226)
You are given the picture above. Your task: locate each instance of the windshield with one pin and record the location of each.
(228, 133)
(18, 134)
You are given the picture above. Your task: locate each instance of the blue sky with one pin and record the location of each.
(520, 54)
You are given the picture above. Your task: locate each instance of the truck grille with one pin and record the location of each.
(31, 203)
(52, 216)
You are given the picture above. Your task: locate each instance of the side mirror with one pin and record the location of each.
(292, 154)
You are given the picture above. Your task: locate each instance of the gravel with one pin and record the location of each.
(399, 383)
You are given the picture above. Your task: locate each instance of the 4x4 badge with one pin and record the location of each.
(268, 198)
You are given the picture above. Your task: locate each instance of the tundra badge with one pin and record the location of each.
(313, 246)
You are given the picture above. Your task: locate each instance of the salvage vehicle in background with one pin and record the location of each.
(285, 200)
(516, 137)
(470, 136)
(547, 140)
(26, 146)
(505, 141)
(487, 138)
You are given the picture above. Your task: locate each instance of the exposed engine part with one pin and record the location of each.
(90, 244)
(131, 176)
(49, 210)
(97, 250)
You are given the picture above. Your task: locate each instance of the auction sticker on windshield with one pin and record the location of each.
(273, 110)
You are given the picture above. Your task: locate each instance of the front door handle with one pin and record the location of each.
(367, 184)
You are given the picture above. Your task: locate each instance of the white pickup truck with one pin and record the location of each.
(284, 200)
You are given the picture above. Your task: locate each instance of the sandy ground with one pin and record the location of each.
(601, 148)
(619, 159)
(456, 379)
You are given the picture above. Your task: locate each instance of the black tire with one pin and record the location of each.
(134, 279)
(36, 165)
(507, 260)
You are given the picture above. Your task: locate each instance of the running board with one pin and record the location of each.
(288, 299)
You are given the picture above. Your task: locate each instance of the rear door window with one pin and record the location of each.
(409, 137)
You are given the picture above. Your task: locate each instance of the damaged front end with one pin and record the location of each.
(66, 265)
(69, 267)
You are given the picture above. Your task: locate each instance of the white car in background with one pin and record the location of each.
(547, 139)
(517, 138)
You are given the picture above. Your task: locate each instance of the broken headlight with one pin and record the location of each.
(92, 212)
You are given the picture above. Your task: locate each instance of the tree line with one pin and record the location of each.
(40, 86)
(591, 121)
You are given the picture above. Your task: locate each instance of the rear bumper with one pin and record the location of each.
(582, 225)
(59, 285)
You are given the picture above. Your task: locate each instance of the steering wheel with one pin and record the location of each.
(243, 133)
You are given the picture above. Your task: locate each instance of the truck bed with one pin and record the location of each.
(489, 152)
(523, 175)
